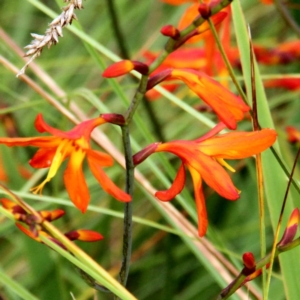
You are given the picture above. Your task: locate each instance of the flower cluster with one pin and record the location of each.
(204, 157)
(31, 224)
(74, 144)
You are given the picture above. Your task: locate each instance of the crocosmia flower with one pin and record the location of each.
(229, 107)
(204, 158)
(75, 145)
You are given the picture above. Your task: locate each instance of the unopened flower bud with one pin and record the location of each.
(13, 207)
(116, 119)
(170, 31)
(51, 215)
(84, 235)
(291, 228)
(124, 67)
(158, 78)
(249, 263)
(204, 10)
(143, 154)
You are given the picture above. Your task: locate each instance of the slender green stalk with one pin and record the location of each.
(259, 170)
(127, 233)
(284, 12)
(279, 224)
(226, 61)
(117, 29)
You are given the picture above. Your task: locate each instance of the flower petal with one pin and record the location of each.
(83, 129)
(200, 202)
(103, 159)
(227, 106)
(106, 182)
(175, 188)
(43, 141)
(237, 145)
(214, 175)
(75, 182)
(43, 158)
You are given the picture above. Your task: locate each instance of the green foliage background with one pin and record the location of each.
(165, 264)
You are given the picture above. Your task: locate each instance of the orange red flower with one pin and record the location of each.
(204, 159)
(226, 105)
(75, 146)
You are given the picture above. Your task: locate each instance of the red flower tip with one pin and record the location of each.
(84, 235)
(124, 67)
(116, 119)
(38, 123)
(204, 10)
(52, 215)
(158, 78)
(291, 228)
(170, 31)
(249, 263)
(293, 134)
(13, 207)
(143, 154)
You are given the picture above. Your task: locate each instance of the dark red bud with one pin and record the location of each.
(143, 154)
(116, 119)
(204, 10)
(51, 215)
(170, 31)
(249, 263)
(158, 78)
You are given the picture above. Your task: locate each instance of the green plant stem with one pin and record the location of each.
(259, 170)
(226, 61)
(127, 233)
(287, 16)
(279, 224)
(117, 29)
(138, 97)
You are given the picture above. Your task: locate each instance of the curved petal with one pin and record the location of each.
(214, 175)
(237, 145)
(227, 106)
(82, 129)
(43, 158)
(75, 182)
(106, 182)
(42, 126)
(175, 188)
(200, 202)
(43, 141)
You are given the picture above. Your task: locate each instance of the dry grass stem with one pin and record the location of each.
(54, 31)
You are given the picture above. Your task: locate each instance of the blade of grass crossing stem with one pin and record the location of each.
(274, 177)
